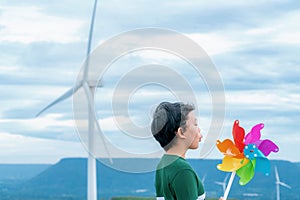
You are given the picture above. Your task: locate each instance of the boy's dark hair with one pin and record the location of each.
(167, 118)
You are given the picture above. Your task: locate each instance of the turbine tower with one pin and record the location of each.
(279, 183)
(223, 184)
(88, 86)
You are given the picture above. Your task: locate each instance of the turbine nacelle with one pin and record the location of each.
(284, 185)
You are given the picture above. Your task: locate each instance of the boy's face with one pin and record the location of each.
(192, 131)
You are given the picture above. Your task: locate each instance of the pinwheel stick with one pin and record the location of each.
(229, 185)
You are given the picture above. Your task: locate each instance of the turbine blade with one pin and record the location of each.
(91, 108)
(276, 174)
(203, 179)
(225, 179)
(218, 183)
(284, 185)
(66, 95)
(86, 69)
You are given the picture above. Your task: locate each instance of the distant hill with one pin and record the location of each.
(15, 172)
(67, 180)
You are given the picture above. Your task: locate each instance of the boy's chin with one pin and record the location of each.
(194, 147)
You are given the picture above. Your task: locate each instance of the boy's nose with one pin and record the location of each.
(199, 133)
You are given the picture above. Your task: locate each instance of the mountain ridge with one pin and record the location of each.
(67, 180)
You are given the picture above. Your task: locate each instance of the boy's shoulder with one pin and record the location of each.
(173, 163)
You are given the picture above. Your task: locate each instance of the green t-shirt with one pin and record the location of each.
(176, 180)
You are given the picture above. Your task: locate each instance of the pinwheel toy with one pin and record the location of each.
(245, 155)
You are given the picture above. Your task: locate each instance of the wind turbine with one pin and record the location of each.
(278, 183)
(203, 179)
(89, 90)
(223, 184)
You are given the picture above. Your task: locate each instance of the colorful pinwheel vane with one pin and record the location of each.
(246, 154)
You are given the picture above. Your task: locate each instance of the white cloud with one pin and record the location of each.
(264, 99)
(109, 124)
(47, 126)
(283, 30)
(220, 37)
(48, 121)
(25, 97)
(30, 24)
(287, 30)
(22, 149)
(8, 70)
(216, 43)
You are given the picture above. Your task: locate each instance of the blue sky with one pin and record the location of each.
(254, 46)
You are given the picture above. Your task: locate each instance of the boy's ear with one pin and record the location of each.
(179, 133)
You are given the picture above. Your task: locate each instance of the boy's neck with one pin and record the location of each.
(175, 150)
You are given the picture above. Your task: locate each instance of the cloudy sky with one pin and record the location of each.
(253, 45)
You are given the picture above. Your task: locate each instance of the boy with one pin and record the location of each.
(175, 127)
